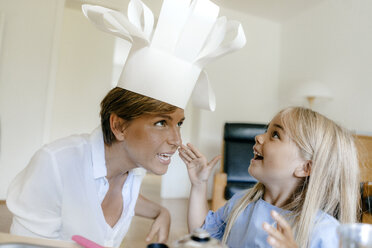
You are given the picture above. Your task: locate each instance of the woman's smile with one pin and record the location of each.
(151, 140)
(165, 158)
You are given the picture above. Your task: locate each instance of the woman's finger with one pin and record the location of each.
(151, 234)
(162, 236)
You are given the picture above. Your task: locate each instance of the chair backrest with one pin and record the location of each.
(364, 145)
(239, 139)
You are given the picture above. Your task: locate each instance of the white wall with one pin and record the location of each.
(332, 43)
(27, 61)
(83, 78)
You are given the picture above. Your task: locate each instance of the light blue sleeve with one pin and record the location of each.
(325, 234)
(215, 222)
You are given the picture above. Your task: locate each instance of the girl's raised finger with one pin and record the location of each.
(214, 161)
(184, 156)
(273, 232)
(188, 151)
(195, 150)
(282, 224)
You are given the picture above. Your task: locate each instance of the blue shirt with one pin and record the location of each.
(245, 233)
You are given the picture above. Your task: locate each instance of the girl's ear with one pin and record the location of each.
(117, 127)
(303, 170)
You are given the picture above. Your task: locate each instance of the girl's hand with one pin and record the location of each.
(198, 167)
(282, 236)
(160, 227)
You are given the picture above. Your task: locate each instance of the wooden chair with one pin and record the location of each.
(367, 203)
(364, 146)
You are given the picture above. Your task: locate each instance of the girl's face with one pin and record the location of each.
(277, 162)
(151, 140)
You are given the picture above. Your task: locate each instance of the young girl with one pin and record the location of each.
(308, 175)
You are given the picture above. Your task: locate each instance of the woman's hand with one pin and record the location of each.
(198, 167)
(152, 210)
(282, 236)
(160, 227)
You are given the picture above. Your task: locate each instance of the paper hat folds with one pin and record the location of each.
(167, 63)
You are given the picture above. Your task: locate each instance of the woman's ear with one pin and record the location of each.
(304, 170)
(117, 127)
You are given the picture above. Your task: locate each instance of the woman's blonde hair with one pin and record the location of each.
(333, 184)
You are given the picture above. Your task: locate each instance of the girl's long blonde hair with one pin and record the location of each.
(333, 184)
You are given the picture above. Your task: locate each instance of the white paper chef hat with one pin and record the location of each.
(167, 63)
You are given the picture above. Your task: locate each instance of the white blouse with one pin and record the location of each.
(59, 193)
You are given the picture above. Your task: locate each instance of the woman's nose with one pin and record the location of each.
(175, 137)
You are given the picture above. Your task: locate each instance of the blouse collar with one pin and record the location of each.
(98, 153)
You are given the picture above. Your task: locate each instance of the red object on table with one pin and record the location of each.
(85, 242)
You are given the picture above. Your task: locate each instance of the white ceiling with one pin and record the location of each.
(275, 10)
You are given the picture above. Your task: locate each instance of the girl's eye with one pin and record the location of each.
(275, 135)
(179, 124)
(160, 123)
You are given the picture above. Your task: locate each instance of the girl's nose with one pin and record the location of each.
(259, 138)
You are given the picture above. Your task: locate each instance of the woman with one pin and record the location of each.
(88, 184)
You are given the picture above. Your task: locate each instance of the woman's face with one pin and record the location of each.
(151, 140)
(276, 157)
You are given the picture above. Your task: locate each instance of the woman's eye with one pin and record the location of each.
(160, 123)
(179, 124)
(275, 134)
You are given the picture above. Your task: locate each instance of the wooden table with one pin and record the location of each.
(6, 238)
